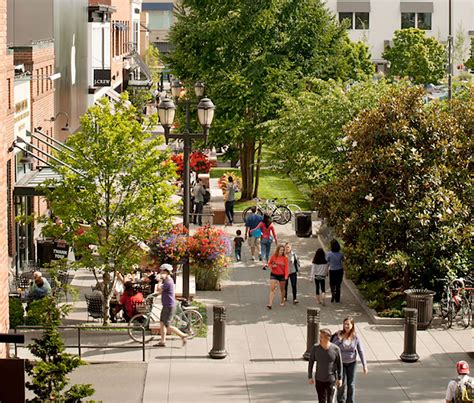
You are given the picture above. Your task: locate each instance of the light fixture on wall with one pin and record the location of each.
(55, 118)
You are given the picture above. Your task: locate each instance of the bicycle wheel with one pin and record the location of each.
(451, 313)
(134, 330)
(465, 313)
(190, 322)
(246, 213)
(294, 208)
(284, 215)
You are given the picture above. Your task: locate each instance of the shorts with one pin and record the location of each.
(278, 277)
(253, 242)
(167, 313)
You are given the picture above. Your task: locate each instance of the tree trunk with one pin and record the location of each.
(247, 155)
(257, 170)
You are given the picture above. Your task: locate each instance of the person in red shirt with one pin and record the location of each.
(129, 300)
(278, 264)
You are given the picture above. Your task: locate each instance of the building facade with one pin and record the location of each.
(375, 21)
(160, 19)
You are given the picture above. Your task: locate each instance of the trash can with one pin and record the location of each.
(303, 225)
(422, 300)
(44, 251)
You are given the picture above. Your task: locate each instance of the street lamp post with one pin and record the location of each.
(166, 112)
(450, 52)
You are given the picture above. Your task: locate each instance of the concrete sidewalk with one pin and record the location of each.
(264, 347)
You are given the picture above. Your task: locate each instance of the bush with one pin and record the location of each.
(35, 312)
(402, 199)
(15, 312)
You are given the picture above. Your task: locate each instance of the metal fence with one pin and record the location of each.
(80, 329)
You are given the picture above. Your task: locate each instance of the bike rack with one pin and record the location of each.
(82, 328)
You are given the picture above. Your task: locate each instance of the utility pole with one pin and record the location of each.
(450, 53)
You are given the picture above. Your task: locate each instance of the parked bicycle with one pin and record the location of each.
(280, 214)
(455, 304)
(187, 319)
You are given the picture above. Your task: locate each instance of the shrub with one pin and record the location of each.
(15, 312)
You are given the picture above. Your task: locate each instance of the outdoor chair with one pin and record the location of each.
(94, 307)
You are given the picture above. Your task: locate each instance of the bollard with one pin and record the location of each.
(218, 334)
(313, 318)
(409, 344)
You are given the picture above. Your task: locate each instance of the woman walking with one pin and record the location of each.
(279, 274)
(230, 200)
(336, 272)
(319, 272)
(267, 230)
(350, 345)
(293, 269)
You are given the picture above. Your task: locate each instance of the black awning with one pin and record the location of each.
(28, 184)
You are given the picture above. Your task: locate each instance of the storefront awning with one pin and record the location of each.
(28, 184)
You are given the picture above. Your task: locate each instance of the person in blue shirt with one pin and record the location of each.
(335, 259)
(254, 242)
(39, 288)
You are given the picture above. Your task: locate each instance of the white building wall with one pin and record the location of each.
(385, 19)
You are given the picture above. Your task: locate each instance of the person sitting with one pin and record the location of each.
(39, 288)
(128, 302)
(150, 278)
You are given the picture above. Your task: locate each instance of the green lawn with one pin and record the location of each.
(272, 185)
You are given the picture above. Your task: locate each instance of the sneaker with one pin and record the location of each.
(295, 301)
(252, 259)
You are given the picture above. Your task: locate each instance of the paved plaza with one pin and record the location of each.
(264, 362)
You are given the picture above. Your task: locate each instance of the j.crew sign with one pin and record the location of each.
(102, 78)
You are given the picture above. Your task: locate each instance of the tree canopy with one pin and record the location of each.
(117, 192)
(415, 55)
(251, 55)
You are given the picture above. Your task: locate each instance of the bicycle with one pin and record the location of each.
(455, 303)
(280, 214)
(294, 208)
(186, 319)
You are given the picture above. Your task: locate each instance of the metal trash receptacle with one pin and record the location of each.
(422, 300)
(303, 225)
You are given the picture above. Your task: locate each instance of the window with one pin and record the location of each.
(356, 20)
(160, 19)
(416, 20)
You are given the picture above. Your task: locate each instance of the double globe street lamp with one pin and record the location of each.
(205, 112)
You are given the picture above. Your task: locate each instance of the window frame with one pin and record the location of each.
(416, 20)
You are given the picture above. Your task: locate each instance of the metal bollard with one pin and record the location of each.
(409, 344)
(313, 317)
(218, 334)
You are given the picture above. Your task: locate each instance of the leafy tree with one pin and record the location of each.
(309, 127)
(470, 62)
(249, 54)
(401, 201)
(417, 56)
(152, 60)
(140, 97)
(49, 375)
(117, 192)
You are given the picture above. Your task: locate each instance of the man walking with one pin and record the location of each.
(168, 300)
(251, 222)
(461, 389)
(328, 377)
(198, 193)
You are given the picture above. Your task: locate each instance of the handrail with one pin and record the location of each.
(79, 328)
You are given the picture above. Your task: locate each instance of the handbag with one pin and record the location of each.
(256, 233)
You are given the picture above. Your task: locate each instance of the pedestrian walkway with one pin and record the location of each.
(265, 348)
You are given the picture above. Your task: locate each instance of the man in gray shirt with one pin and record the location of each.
(328, 377)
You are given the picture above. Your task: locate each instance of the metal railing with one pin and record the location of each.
(86, 328)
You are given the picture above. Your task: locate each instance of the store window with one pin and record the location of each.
(416, 20)
(355, 20)
(160, 19)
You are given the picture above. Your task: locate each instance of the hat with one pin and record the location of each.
(462, 367)
(166, 267)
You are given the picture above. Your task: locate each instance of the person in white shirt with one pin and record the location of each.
(319, 272)
(463, 377)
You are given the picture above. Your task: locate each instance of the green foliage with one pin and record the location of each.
(15, 309)
(35, 313)
(401, 201)
(152, 60)
(140, 97)
(251, 54)
(309, 127)
(415, 55)
(49, 374)
(470, 62)
(118, 193)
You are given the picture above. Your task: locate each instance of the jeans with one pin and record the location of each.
(293, 277)
(325, 391)
(229, 211)
(320, 283)
(335, 281)
(265, 244)
(198, 207)
(348, 382)
(238, 254)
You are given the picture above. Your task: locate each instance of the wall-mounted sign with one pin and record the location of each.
(102, 78)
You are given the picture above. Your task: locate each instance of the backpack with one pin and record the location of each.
(464, 391)
(207, 197)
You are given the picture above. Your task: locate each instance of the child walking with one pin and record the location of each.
(319, 272)
(238, 241)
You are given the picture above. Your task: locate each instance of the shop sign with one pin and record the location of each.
(60, 250)
(102, 78)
